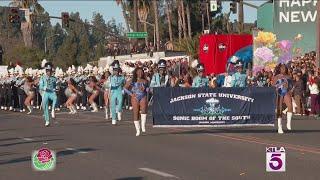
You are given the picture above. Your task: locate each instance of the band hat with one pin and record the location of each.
(239, 64)
(11, 71)
(48, 66)
(162, 63)
(200, 67)
(116, 66)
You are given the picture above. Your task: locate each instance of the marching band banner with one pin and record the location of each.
(219, 107)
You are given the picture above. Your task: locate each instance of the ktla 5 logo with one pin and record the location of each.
(275, 159)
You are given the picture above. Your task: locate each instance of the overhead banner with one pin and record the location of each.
(292, 17)
(219, 107)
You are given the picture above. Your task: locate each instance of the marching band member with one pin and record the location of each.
(283, 84)
(160, 79)
(19, 86)
(139, 101)
(106, 95)
(200, 80)
(93, 89)
(116, 97)
(71, 93)
(239, 79)
(48, 87)
(29, 89)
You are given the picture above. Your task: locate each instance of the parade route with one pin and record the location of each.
(89, 147)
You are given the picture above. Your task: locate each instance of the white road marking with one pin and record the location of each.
(160, 173)
(77, 151)
(70, 149)
(26, 139)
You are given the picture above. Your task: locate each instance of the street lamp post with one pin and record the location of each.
(45, 42)
(154, 32)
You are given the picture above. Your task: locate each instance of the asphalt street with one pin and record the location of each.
(88, 147)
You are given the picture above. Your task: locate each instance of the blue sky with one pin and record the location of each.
(109, 9)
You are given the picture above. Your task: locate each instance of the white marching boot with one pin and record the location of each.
(114, 122)
(70, 109)
(73, 110)
(119, 116)
(137, 126)
(106, 111)
(53, 114)
(30, 109)
(47, 123)
(95, 108)
(289, 118)
(143, 122)
(280, 131)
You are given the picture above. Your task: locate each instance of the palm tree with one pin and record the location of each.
(183, 19)
(135, 15)
(168, 12)
(179, 21)
(143, 12)
(156, 21)
(124, 7)
(188, 20)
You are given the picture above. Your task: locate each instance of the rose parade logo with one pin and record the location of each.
(43, 160)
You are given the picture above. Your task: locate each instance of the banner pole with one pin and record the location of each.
(318, 35)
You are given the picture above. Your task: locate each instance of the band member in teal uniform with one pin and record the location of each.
(160, 79)
(239, 79)
(200, 80)
(116, 87)
(48, 85)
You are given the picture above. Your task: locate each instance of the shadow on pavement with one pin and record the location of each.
(74, 151)
(3, 130)
(7, 153)
(59, 154)
(43, 136)
(28, 142)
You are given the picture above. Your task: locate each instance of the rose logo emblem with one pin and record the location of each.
(43, 160)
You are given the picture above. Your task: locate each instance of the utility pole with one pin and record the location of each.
(240, 16)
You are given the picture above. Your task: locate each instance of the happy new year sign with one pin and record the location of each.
(292, 17)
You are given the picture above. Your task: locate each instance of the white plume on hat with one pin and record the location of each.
(18, 69)
(88, 67)
(95, 70)
(80, 70)
(234, 59)
(44, 61)
(156, 59)
(100, 70)
(194, 63)
(69, 71)
(109, 60)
